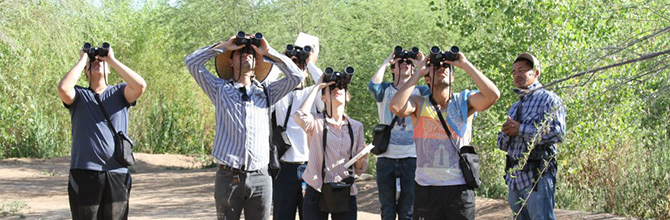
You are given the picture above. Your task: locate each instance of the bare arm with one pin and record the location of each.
(488, 92)
(401, 104)
(306, 106)
(135, 83)
(361, 164)
(378, 77)
(66, 90)
(302, 116)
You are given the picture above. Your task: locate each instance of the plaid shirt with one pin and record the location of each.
(242, 128)
(537, 106)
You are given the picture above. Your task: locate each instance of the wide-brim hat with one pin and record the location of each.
(225, 70)
(528, 56)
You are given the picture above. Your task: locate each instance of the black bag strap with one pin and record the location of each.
(444, 124)
(288, 113)
(325, 138)
(109, 121)
(395, 118)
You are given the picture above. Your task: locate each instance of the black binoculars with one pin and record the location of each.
(437, 56)
(242, 39)
(341, 79)
(405, 54)
(98, 51)
(302, 53)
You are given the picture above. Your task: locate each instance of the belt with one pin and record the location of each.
(296, 163)
(237, 171)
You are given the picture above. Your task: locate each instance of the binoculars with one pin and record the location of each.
(437, 56)
(299, 52)
(405, 54)
(341, 79)
(98, 51)
(242, 39)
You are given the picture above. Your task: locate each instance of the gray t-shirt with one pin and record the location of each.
(92, 139)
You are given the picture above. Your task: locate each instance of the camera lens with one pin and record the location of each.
(454, 50)
(328, 71)
(258, 36)
(86, 47)
(435, 50)
(307, 49)
(241, 34)
(349, 70)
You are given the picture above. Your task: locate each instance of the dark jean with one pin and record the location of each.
(249, 191)
(287, 191)
(387, 171)
(444, 202)
(310, 207)
(98, 194)
(540, 204)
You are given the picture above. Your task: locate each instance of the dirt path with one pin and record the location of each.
(37, 189)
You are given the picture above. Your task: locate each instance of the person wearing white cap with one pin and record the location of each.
(288, 186)
(242, 100)
(535, 123)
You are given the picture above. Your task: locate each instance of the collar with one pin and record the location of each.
(344, 122)
(523, 92)
(237, 85)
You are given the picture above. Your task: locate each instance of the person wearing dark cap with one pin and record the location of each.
(535, 124)
(242, 100)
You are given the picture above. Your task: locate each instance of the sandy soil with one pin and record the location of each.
(167, 187)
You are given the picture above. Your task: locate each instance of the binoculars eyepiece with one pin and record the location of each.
(102, 51)
(302, 53)
(341, 79)
(437, 56)
(242, 39)
(405, 54)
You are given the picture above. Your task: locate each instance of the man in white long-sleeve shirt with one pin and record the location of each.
(287, 186)
(241, 145)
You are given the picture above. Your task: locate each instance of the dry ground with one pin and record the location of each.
(167, 187)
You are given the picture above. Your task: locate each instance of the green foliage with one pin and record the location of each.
(615, 148)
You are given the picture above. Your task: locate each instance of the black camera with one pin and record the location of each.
(98, 51)
(242, 39)
(405, 54)
(437, 56)
(301, 53)
(341, 79)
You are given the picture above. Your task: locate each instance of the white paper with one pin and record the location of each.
(359, 155)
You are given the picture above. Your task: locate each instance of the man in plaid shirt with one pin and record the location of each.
(535, 124)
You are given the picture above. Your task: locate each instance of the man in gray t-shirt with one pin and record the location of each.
(98, 187)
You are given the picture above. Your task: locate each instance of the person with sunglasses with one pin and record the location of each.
(398, 163)
(441, 191)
